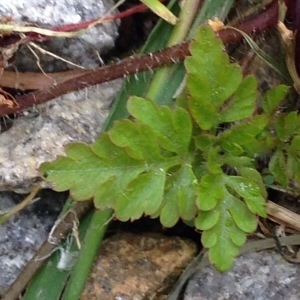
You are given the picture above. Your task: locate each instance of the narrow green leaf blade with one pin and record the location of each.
(158, 8)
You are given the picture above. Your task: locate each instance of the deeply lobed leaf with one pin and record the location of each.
(172, 128)
(195, 161)
(242, 104)
(212, 80)
(244, 137)
(179, 199)
(224, 217)
(287, 125)
(131, 168)
(284, 164)
(272, 99)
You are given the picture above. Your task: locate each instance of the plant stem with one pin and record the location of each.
(188, 12)
(92, 240)
(33, 266)
(135, 64)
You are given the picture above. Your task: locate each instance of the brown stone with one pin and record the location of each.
(131, 266)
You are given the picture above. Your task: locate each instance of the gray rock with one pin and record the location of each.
(83, 51)
(21, 236)
(255, 276)
(42, 132)
(41, 135)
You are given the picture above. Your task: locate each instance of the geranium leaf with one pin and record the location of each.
(125, 169)
(287, 125)
(250, 191)
(242, 104)
(273, 97)
(277, 166)
(179, 200)
(195, 161)
(148, 187)
(174, 129)
(212, 79)
(229, 214)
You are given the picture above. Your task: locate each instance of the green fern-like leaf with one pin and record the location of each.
(138, 167)
(277, 166)
(228, 205)
(293, 160)
(195, 161)
(212, 80)
(224, 217)
(243, 137)
(179, 198)
(287, 125)
(272, 99)
(284, 164)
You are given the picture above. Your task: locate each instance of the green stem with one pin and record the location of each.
(160, 81)
(92, 240)
(213, 9)
(188, 12)
(166, 81)
(137, 84)
(100, 219)
(41, 286)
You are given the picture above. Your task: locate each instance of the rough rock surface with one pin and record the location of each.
(41, 135)
(255, 276)
(21, 236)
(131, 266)
(83, 51)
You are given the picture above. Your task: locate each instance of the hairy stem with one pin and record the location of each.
(135, 64)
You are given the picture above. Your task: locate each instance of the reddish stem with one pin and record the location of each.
(259, 24)
(82, 25)
(137, 64)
